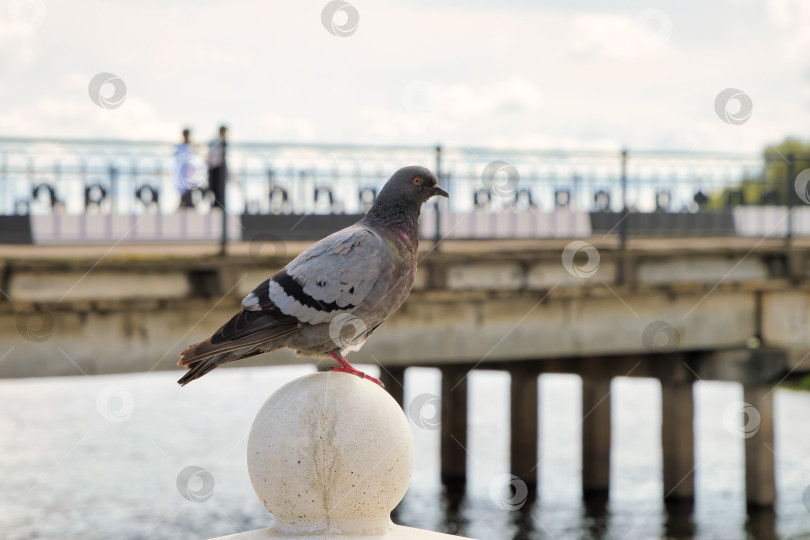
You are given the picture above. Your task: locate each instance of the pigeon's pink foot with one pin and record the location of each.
(346, 367)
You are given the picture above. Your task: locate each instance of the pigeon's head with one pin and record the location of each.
(412, 184)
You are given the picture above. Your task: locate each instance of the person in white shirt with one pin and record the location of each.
(187, 169)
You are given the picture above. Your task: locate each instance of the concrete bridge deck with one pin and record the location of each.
(474, 301)
(675, 309)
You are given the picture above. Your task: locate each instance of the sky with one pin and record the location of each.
(511, 74)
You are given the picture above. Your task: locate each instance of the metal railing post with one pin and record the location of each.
(625, 211)
(6, 184)
(438, 233)
(223, 240)
(113, 188)
(791, 169)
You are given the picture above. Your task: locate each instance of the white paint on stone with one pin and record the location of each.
(524, 223)
(550, 274)
(97, 285)
(180, 225)
(786, 319)
(486, 276)
(761, 221)
(701, 270)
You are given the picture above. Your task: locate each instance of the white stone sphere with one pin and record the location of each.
(330, 453)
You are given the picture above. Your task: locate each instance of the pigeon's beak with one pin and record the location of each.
(439, 191)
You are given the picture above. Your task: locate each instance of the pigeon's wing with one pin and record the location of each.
(247, 334)
(332, 277)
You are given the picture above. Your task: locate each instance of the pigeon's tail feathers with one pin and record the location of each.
(205, 356)
(247, 334)
(200, 366)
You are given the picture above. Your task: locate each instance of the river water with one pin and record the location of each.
(99, 457)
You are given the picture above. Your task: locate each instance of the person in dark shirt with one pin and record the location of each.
(218, 167)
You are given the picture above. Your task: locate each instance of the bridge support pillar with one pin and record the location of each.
(595, 436)
(677, 440)
(760, 488)
(393, 377)
(454, 426)
(523, 426)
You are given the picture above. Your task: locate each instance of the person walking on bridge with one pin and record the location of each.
(218, 167)
(188, 170)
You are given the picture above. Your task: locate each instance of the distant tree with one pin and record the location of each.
(748, 191)
(780, 173)
(783, 162)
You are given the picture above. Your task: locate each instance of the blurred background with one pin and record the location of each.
(608, 333)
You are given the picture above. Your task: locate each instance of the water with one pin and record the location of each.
(98, 457)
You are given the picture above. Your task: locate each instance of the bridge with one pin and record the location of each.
(677, 309)
(679, 267)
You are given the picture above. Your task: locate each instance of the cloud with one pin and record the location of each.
(278, 127)
(791, 18)
(73, 117)
(515, 95)
(621, 37)
(465, 74)
(17, 46)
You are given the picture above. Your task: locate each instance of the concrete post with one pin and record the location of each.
(524, 426)
(760, 485)
(454, 426)
(331, 455)
(677, 440)
(595, 436)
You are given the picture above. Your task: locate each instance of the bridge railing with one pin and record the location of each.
(86, 190)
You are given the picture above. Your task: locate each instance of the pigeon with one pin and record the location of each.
(330, 298)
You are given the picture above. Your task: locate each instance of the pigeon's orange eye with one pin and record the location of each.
(417, 180)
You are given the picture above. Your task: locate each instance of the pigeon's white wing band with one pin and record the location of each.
(331, 277)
